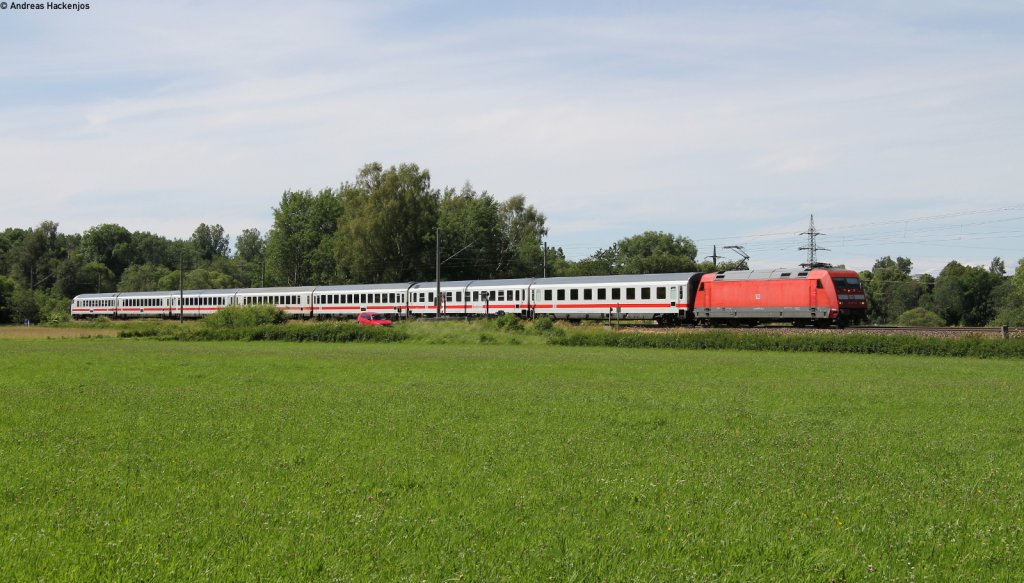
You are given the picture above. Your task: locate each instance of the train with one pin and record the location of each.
(816, 296)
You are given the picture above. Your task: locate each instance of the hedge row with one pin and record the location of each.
(319, 332)
(850, 343)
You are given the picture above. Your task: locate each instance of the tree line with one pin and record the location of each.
(387, 225)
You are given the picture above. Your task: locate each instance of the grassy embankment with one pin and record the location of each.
(139, 459)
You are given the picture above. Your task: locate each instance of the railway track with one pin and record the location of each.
(939, 331)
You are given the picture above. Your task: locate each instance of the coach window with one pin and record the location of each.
(645, 293)
(560, 294)
(501, 295)
(661, 293)
(601, 294)
(616, 293)
(588, 294)
(630, 293)
(547, 295)
(574, 294)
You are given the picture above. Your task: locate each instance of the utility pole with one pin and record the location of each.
(545, 259)
(181, 289)
(437, 263)
(714, 256)
(812, 247)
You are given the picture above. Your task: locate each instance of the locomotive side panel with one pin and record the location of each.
(775, 296)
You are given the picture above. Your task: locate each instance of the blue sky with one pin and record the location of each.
(898, 125)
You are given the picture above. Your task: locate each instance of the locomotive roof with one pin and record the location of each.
(778, 273)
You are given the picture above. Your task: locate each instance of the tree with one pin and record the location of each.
(35, 258)
(201, 278)
(146, 247)
(7, 287)
(145, 277)
(998, 266)
(900, 264)
(648, 252)
(108, 244)
(387, 232)
(655, 252)
(522, 234)
(300, 245)
(24, 306)
(94, 277)
(469, 226)
(10, 239)
(250, 245)
(1008, 298)
(209, 241)
(890, 290)
(963, 295)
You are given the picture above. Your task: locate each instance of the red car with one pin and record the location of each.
(373, 319)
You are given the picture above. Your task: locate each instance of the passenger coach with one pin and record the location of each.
(664, 298)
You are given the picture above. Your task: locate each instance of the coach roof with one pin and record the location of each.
(617, 279)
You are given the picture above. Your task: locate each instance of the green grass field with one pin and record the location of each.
(141, 459)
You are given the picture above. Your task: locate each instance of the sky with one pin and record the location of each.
(898, 125)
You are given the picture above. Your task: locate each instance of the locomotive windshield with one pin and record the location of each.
(847, 282)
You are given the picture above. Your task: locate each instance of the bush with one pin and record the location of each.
(1009, 317)
(509, 323)
(920, 317)
(855, 343)
(319, 332)
(543, 323)
(235, 317)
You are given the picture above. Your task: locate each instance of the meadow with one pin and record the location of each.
(145, 459)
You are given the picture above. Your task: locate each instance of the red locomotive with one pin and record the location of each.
(819, 297)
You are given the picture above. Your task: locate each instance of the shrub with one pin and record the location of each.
(855, 343)
(920, 317)
(543, 323)
(1009, 317)
(319, 332)
(234, 317)
(509, 323)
